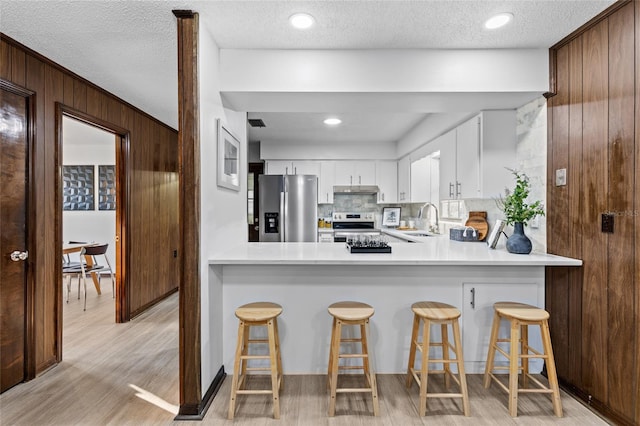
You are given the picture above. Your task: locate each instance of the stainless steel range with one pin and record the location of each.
(347, 224)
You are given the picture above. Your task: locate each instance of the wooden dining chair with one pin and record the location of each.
(85, 268)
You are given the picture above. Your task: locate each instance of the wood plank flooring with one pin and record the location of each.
(127, 374)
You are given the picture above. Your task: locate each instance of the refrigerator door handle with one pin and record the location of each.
(283, 215)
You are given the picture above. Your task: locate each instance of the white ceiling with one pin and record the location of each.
(129, 47)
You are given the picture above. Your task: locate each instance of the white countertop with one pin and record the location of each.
(433, 251)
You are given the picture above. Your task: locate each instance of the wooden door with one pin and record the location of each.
(14, 168)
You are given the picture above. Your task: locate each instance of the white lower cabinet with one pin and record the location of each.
(477, 318)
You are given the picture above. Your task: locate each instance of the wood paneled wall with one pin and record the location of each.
(151, 165)
(594, 134)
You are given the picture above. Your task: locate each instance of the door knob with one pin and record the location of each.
(17, 256)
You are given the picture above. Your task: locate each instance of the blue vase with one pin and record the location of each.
(518, 243)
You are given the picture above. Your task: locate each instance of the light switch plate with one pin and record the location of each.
(561, 177)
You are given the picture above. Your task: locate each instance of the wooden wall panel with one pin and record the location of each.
(636, 212)
(51, 84)
(621, 254)
(603, 177)
(558, 157)
(575, 193)
(5, 61)
(595, 184)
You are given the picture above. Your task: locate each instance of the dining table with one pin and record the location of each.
(68, 248)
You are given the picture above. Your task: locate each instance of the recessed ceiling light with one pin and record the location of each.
(332, 121)
(498, 21)
(301, 21)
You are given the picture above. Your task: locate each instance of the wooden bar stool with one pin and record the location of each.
(521, 316)
(252, 315)
(350, 313)
(437, 313)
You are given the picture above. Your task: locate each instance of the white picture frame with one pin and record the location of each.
(228, 159)
(391, 216)
(496, 231)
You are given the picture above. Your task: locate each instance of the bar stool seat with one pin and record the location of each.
(437, 313)
(252, 315)
(521, 316)
(350, 313)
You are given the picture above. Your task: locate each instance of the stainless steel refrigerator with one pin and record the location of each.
(288, 208)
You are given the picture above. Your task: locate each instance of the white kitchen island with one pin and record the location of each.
(305, 278)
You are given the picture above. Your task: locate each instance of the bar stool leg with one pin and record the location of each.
(493, 340)
(331, 354)
(424, 367)
(274, 368)
(413, 349)
(335, 352)
(365, 350)
(371, 376)
(275, 326)
(524, 350)
(236, 369)
(513, 368)
(551, 369)
(461, 371)
(445, 355)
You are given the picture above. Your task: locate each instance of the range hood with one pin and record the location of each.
(355, 189)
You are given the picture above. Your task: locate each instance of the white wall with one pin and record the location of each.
(83, 144)
(375, 70)
(223, 220)
(326, 151)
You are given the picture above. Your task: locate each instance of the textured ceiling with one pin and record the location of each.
(129, 47)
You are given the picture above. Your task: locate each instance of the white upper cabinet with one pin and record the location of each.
(474, 156)
(421, 180)
(355, 173)
(326, 182)
(285, 167)
(467, 183)
(387, 181)
(404, 179)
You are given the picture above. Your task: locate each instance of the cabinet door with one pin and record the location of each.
(477, 317)
(468, 159)
(387, 181)
(278, 167)
(344, 173)
(326, 182)
(421, 180)
(364, 173)
(447, 167)
(404, 179)
(306, 168)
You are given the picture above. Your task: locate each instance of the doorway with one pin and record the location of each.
(16, 280)
(89, 204)
(100, 149)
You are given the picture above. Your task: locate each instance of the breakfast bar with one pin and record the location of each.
(305, 278)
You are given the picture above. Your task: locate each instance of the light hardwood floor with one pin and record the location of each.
(127, 374)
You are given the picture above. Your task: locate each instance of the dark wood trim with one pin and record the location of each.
(185, 14)
(202, 408)
(122, 313)
(30, 317)
(553, 74)
(68, 72)
(189, 214)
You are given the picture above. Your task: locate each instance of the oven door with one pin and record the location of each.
(343, 235)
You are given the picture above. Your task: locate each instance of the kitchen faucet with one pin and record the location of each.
(432, 228)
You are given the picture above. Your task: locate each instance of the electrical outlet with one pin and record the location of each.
(561, 177)
(535, 223)
(607, 223)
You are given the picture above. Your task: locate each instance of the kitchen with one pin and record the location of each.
(225, 226)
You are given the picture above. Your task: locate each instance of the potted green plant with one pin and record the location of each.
(518, 212)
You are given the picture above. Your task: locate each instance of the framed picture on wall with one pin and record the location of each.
(106, 187)
(228, 159)
(77, 187)
(391, 216)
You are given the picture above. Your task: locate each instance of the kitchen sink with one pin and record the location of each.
(416, 233)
